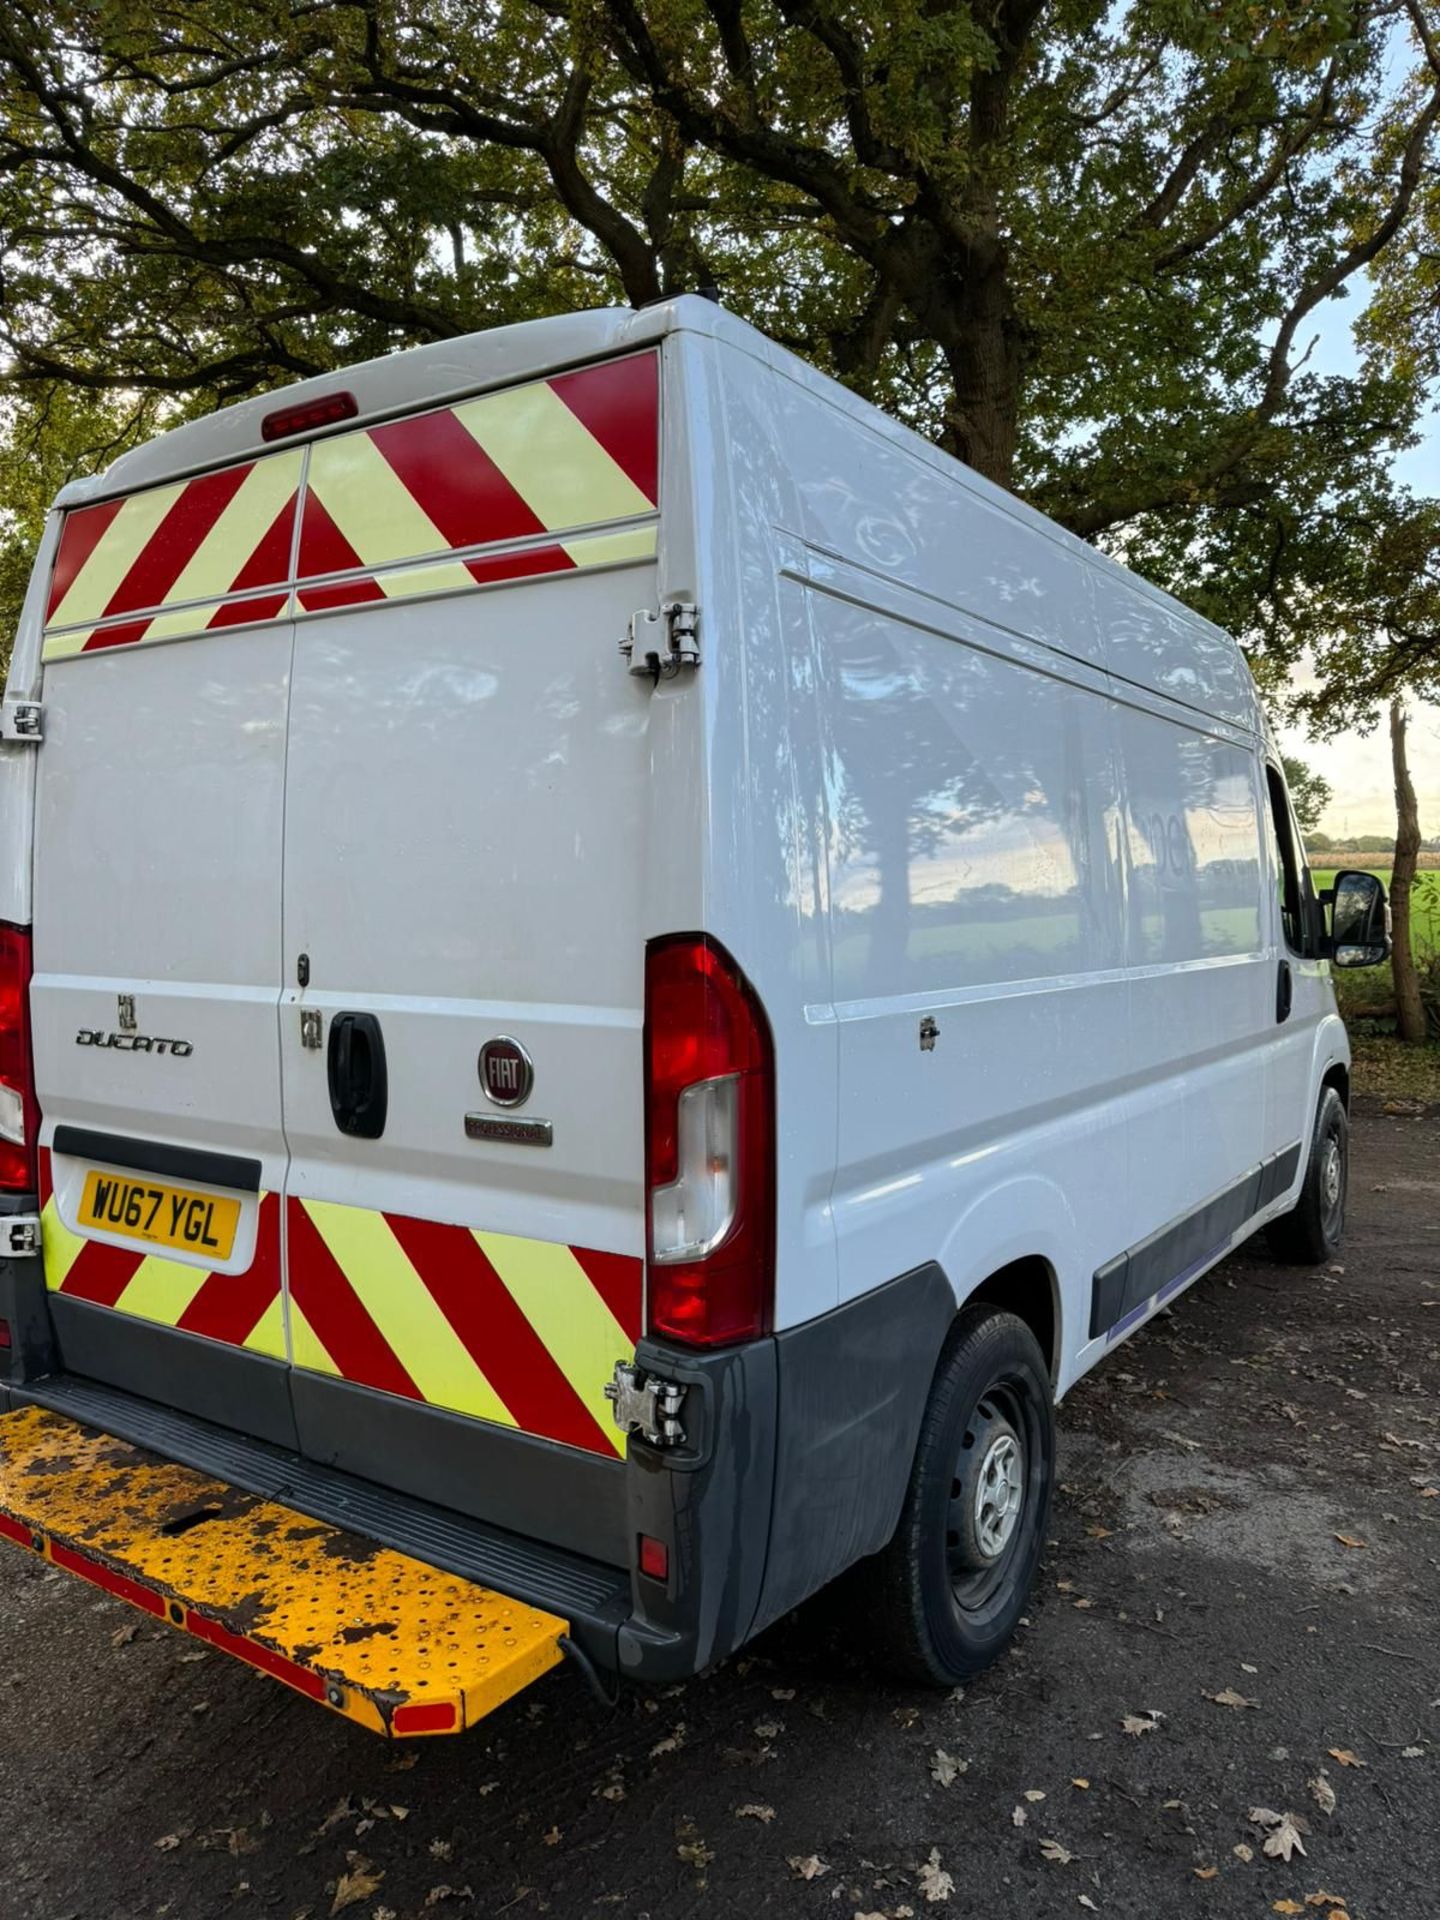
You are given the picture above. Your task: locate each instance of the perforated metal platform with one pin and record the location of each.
(401, 1647)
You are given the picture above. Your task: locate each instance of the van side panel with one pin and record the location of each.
(1202, 975)
(990, 693)
(972, 888)
(762, 855)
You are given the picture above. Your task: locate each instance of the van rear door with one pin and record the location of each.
(158, 841)
(464, 944)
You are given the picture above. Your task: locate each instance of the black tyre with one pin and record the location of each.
(1310, 1233)
(945, 1595)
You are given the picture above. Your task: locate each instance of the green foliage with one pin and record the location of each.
(1085, 247)
(1310, 793)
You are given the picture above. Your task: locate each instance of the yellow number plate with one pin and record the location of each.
(160, 1216)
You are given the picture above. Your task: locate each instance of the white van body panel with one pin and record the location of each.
(983, 819)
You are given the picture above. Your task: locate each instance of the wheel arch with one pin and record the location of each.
(1028, 1287)
(1337, 1075)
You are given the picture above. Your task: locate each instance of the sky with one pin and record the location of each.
(1358, 765)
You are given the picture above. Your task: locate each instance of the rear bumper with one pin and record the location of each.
(796, 1456)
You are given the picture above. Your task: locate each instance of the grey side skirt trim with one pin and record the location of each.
(1124, 1286)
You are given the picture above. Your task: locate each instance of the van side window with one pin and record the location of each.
(1290, 879)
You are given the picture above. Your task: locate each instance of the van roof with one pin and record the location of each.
(448, 370)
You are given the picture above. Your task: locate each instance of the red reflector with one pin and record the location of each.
(4, 1333)
(424, 1716)
(654, 1558)
(309, 415)
(19, 1115)
(705, 1030)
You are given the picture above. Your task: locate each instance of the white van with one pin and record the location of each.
(630, 972)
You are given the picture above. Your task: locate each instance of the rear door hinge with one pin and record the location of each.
(20, 721)
(642, 1403)
(660, 644)
(21, 1234)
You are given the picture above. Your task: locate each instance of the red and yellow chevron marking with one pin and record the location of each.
(524, 1333)
(153, 565)
(554, 456)
(402, 509)
(241, 1309)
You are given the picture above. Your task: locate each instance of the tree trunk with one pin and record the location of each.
(1409, 1008)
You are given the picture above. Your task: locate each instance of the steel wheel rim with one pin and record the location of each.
(999, 1494)
(1332, 1183)
(997, 1449)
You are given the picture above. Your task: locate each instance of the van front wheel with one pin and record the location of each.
(947, 1592)
(1310, 1233)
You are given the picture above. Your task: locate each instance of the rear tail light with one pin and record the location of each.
(19, 1115)
(709, 1146)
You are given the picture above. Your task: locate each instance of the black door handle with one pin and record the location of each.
(359, 1089)
(1284, 993)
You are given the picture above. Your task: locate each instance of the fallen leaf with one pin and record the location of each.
(1082, 1604)
(356, 1885)
(1286, 1906)
(1019, 1817)
(437, 1896)
(767, 1729)
(1053, 1850)
(1033, 1794)
(1283, 1840)
(1206, 1873)
(1349, 1540)
(167, 1843)
(1345, 1757)
(1412, 1753)
(1080, 1781)
(695, 1853)
(945, 1768)
(935, 1883)
(672, 1742)
(1324, 1793)
(1088, 1903)
(1136, 1724)
(552, 1837)
(122, 1636)
(807, 1866)
(1242, 1852)
(441, 1849)
(755, 1811)
(1324, 1900)
(1227, 1697)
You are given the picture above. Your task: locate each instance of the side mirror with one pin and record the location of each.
(1359, 921)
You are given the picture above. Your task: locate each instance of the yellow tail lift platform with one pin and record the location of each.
(389, 1642)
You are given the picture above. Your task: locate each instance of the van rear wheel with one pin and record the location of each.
(947, 1592)
(1310, 1233)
